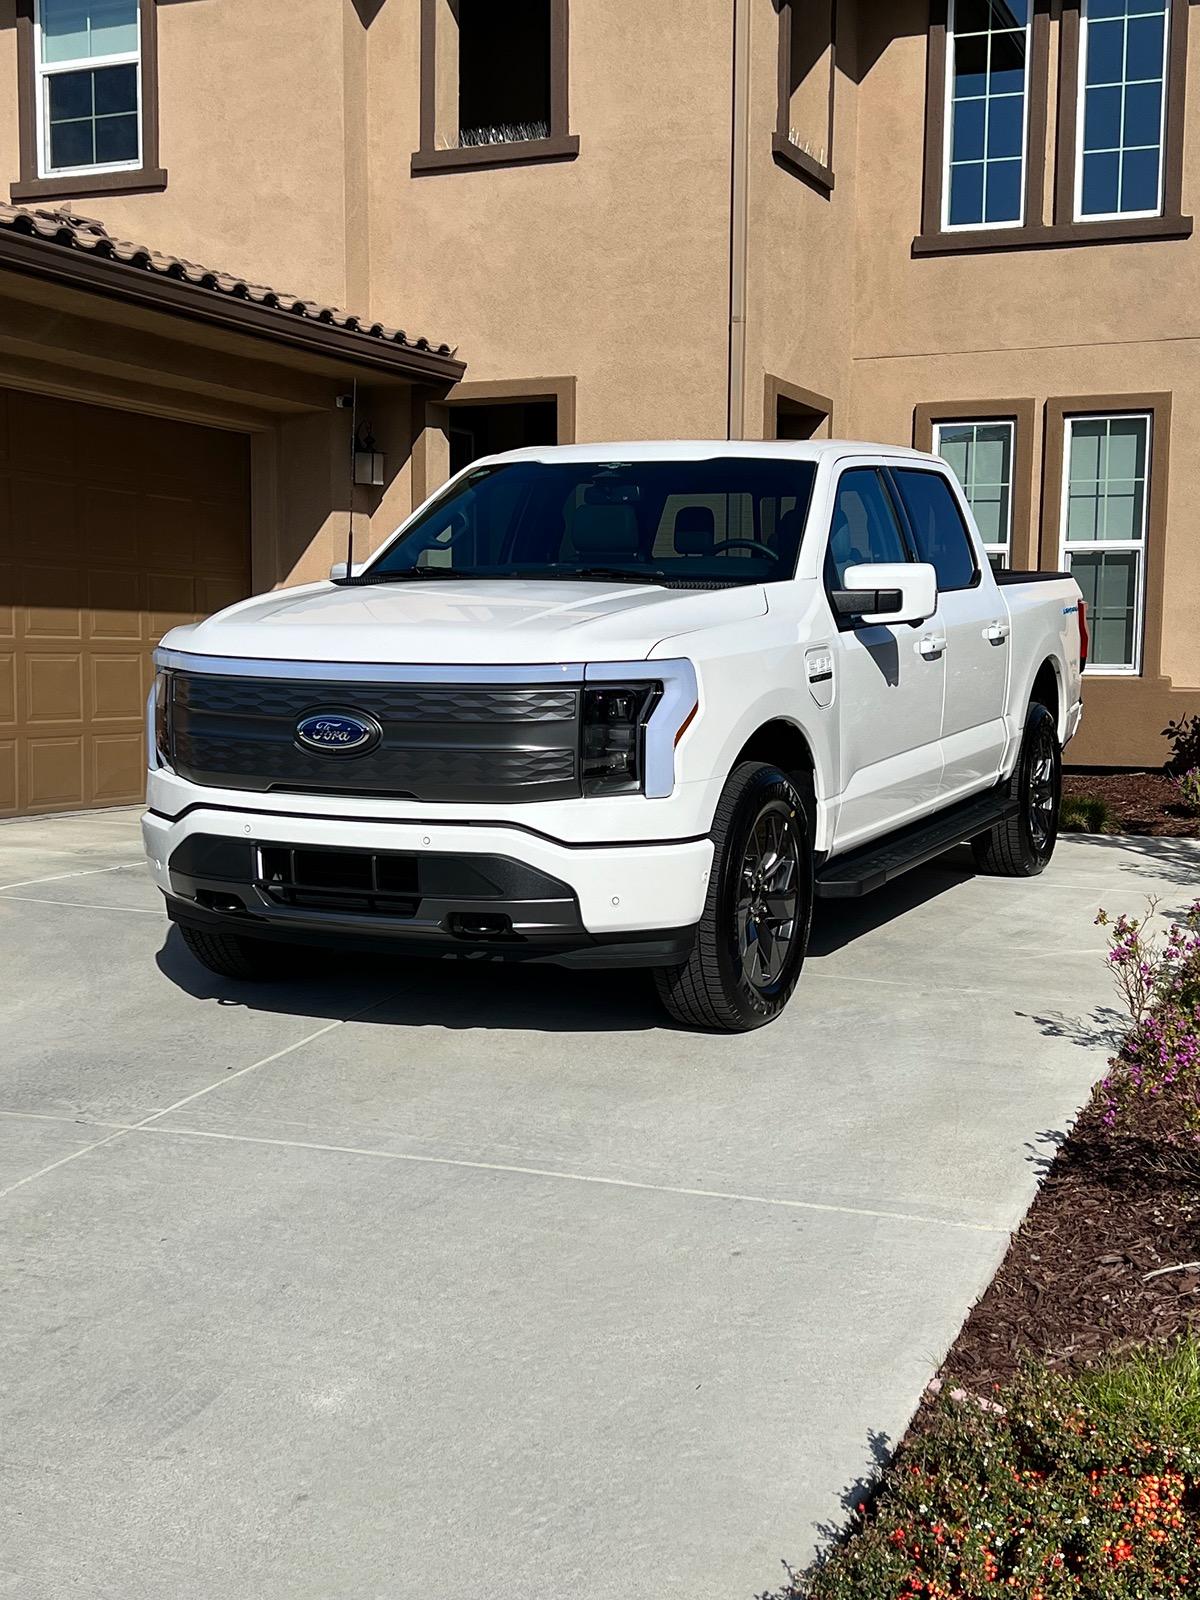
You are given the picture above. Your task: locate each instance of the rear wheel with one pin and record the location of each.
(231, 956)
(752, 937)
(1022, 846)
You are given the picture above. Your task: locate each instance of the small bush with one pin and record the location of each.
(1184, 737)
(1188, 790)
(1085, 813)
(1158, 978)
(1051, 1489)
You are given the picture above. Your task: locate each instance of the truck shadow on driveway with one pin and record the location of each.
(524, 997)
(414, 992)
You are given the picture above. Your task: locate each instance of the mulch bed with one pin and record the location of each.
(1074, 1286)
(1141, 802)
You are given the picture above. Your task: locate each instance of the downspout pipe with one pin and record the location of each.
(739, 228)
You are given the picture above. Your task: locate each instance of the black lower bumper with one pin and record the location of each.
(478, 907)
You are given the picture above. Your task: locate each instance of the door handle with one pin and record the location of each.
(997, 632)
(933, 644)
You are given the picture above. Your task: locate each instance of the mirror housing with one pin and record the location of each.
(883, 592)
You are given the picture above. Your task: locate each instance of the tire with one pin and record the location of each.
(744, 965)
(1022, 846)
(231, 956)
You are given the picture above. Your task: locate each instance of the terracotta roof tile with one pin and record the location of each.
(66, 228)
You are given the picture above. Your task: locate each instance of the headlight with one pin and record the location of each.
(614, 736)
(161, 697)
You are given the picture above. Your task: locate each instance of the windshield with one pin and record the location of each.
(728, 520)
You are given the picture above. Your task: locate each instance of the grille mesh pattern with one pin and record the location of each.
(458, 742)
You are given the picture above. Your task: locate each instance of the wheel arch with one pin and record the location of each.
(783, 743)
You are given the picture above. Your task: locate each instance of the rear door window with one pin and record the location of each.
(938, 529)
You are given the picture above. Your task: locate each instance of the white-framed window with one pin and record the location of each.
(981, 454)
(88, 65)
(1121, 128)
(987, 99)
(1105, 504)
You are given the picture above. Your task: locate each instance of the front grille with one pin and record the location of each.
(440, 742)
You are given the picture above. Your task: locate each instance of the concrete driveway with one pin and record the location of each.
(441, 1280)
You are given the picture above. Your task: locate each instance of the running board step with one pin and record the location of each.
(849, 876)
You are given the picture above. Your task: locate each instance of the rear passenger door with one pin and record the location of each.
(971, 615)
(889, 694)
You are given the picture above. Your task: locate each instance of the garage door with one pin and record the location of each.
(114, 527)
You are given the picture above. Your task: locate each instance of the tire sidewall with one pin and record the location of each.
(764, 785)
(1039, 718)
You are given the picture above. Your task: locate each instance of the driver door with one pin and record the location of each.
(889, 692)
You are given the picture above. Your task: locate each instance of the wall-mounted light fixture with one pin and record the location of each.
(369, 461)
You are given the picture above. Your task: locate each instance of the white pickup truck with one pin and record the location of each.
(616, 705)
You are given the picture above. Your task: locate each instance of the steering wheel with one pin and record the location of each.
(745, 544)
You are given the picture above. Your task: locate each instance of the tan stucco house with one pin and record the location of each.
(434, 228)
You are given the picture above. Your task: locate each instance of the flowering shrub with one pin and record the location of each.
(1184, 739)
(1048, 1494)
(1188, 790)
(1159, 980)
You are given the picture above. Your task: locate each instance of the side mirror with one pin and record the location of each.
(892, 591)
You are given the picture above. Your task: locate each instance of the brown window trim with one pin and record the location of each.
(562, 145)
(776, 389)
(1058, 409)
(1068, 107)
(1023, 545)
(134, 180)
(1035, 234)
(787, 154)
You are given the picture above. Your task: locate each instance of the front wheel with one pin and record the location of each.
(231, 956)
(1022, 846)
(752, 937)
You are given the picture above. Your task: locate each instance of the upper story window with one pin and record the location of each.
(1122, 108)
(88, 69)
(87, 98)
(987, 92)
(980, 454)
(803, 141)
(493, 84)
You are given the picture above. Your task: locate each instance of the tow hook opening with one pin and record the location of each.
(480, 925)
(215, 901)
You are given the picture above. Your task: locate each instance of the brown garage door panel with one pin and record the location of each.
(129, 526)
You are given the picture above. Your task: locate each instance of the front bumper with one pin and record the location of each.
(436, 888)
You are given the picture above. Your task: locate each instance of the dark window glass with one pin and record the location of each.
(1102, 119)
(116, 90)
(1143, 113)
(503, 70)
(1101, 176)
(70, 95)
(116, 139)
(1008, 63)
(966, 194)
(1006, 126)
(1004, 189)
(722, 520)
(938, 528)
(1106, 46)
(970, 67)
(1144, 48)
(968, 130)
(865, 527)
(71, 144)
(1139, 180)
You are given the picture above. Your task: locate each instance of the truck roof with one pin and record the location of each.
(705, 449)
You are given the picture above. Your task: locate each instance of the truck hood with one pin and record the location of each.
(468, 622)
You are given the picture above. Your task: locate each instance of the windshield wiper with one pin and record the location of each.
(403, 574)
(616, 574)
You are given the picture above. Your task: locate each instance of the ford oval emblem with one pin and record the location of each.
(338, 733)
